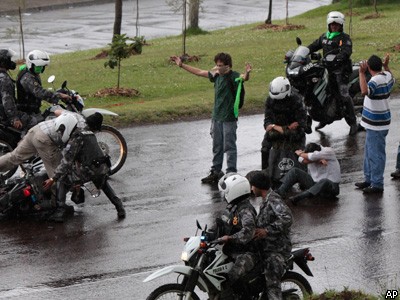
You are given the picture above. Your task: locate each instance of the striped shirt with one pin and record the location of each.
(376, 113)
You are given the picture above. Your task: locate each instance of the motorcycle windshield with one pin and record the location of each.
(300, 57)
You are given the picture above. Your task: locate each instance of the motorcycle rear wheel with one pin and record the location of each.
(113, 144)
(295, 286)
(169, 291)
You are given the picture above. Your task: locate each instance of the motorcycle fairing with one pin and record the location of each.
(214, 271)
(90, 111)
(182, 270)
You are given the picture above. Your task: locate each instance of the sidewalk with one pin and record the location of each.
(11, 6)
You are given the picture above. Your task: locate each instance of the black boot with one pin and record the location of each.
(107, 189)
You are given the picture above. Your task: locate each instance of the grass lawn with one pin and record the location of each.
(168, 93)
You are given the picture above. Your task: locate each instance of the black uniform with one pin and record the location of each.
(283, 112)
(341, 46)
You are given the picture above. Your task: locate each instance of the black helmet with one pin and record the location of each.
(6, 59)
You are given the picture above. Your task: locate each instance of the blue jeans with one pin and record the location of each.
(375, 157)
(398, 158)
(224, 141)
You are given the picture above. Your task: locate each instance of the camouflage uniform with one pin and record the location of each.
(238, 221)
(283, 112)
(30, 93)
(8, 109)
(276, 218)
(83, 161)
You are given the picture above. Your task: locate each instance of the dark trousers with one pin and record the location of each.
(324, 187)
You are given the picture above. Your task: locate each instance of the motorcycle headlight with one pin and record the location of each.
(293, 72)
(184, 256)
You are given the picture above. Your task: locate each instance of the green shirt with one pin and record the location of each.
(224, 98)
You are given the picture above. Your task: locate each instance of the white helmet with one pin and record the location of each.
(38, 58)
(280, 88)
(67, 123)
(234, 186)
(335, 17)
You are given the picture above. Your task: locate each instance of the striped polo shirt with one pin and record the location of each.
(376, 112)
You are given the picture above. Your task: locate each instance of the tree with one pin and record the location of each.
(118, 18)
(194, 8)
(122, 47)
(268, 20)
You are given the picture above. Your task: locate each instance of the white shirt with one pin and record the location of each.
(319, 171)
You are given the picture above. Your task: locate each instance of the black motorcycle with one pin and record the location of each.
(308, 73)
(24, 195)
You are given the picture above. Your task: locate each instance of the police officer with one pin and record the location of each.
(284, 119)
(30, 92)
(272, 232)
(82, 161)
(335, 41)
(237, 226)
(9, 114)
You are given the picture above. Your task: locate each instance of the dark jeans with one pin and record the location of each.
(324, 187)
(224, 141)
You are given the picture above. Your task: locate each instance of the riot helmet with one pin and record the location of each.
(234, 186)
(335, 17)
(66, 123)
(280, 88)
(6, 60)
(37, 60)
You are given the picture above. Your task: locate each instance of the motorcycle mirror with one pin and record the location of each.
(64, 85)
(298, 41)
(51, 79)
(198, 225)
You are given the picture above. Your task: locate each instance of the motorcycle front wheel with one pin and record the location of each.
(114, 145)
(295, 286)
(169, 291)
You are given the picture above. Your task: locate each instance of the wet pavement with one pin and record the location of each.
(79, 28)
(355, 240)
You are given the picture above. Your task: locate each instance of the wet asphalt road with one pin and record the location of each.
(94, 256)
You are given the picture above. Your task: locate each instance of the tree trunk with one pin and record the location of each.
(119, 72)
(287, 12)
(194, 8)
(137, 18)
(118, 17)
(268, 20)
(184, 28)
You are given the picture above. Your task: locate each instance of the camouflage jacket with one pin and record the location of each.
(276, 217)
(82, 160)
(239, 223)
(8, 108)
(30, 92)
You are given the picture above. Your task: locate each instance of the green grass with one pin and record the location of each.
(169, 93)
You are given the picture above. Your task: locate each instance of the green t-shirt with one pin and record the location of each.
(224, 98)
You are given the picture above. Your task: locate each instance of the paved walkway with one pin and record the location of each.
(11, 6)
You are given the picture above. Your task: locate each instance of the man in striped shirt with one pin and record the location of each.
(376, 120)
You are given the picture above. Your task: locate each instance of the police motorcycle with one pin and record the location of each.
(308, 73)
(23, 196)
(206, 266)
(111, 141)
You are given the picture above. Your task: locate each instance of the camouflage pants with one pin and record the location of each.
(244, 263)
(274, 266)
